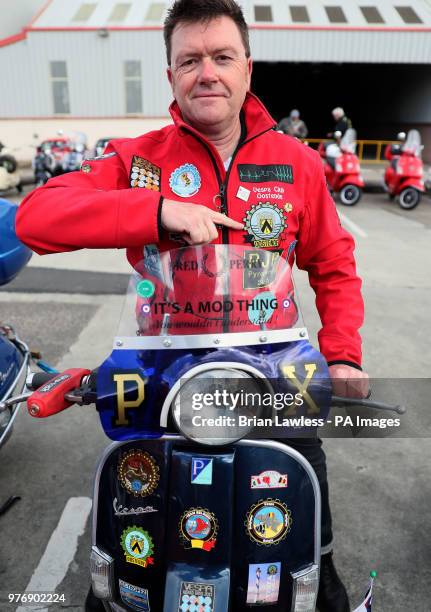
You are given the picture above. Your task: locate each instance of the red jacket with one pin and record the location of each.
(275, 185)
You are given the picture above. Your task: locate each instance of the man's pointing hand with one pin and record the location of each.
(193, 222)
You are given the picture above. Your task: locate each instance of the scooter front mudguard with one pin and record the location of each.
(411, 182)
(226, 527)
(350, 179)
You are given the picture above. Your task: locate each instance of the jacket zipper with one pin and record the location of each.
(223, 199)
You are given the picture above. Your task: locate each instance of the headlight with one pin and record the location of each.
(338, 167)
(101, 569)
(217, 403)
(305, 587)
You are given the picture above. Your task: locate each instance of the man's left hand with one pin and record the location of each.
(348, 381)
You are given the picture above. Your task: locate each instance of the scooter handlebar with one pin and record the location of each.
(50, 398)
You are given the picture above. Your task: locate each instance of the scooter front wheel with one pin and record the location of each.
(409, 198)
(350, 195)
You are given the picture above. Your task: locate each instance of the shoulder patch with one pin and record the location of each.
(105, 156)
(145, 174)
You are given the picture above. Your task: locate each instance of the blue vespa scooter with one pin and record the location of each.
(188, 515)
(14, 354)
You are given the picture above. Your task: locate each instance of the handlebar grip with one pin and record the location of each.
(49, 399)
(37, 379)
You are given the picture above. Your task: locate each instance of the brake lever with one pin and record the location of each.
(366, 403)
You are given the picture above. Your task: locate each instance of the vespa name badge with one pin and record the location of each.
(138, 546)
(185, 181)
(198, 529)
(270, 479)
(138, 473)
(268, 522)
(196, 597)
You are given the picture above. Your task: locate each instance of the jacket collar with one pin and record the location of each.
(257, 118)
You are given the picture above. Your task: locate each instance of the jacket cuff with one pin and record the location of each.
(343, 362)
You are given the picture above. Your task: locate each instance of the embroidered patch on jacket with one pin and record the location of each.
(264, 224)
(253, 173)
(145, 174)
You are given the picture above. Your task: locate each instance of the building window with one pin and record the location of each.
(60, 88)
(262, 13)
(371, 14)
(133, 84)
(408, 15)
(119, 12)
(84, 12)
(335, 14)
(299, 14)
(155, 11)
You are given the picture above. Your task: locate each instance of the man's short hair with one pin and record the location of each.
(195, 11)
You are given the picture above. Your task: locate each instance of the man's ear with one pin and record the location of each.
(249, 71)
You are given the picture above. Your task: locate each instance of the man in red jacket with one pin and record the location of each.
(221, 174)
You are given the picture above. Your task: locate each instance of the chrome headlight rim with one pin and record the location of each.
(231, 366)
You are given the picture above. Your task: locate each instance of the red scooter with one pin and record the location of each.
(404, 175)
(342, 169)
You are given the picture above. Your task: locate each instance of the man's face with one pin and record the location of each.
(209, 73)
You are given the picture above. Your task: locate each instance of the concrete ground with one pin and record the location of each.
(68, 305)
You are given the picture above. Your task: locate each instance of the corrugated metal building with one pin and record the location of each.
(105, 58)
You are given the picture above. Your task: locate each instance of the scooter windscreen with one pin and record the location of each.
(211, 295)
(412, 144)
(348, 142)
(219, 319)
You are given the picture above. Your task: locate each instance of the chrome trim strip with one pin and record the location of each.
(204, 367)
(273, 336)
(262, 443)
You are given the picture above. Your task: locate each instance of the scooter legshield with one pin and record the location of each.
(215, 531)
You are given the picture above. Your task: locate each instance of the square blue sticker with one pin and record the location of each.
(202, 471)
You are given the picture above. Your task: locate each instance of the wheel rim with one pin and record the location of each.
(350, 194)
(409, 198)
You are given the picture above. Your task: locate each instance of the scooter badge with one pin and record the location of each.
(138, 473)
(185, 181)
(133, 596)
(198, 529)
(263, 583)
(270, 479)
(268, 522)
(196, 597)
(138, 546)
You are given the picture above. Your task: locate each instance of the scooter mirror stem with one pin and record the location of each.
(365, 403)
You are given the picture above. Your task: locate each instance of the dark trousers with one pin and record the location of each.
(311, 449)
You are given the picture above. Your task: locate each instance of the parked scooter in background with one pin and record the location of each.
(404, 175)
(15, 356)
(342, 168)
(10, 177)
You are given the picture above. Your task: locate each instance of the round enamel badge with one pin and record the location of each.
(198, 528)
(137, 545)
(268, 522)
(138, 473)
(185, 181)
